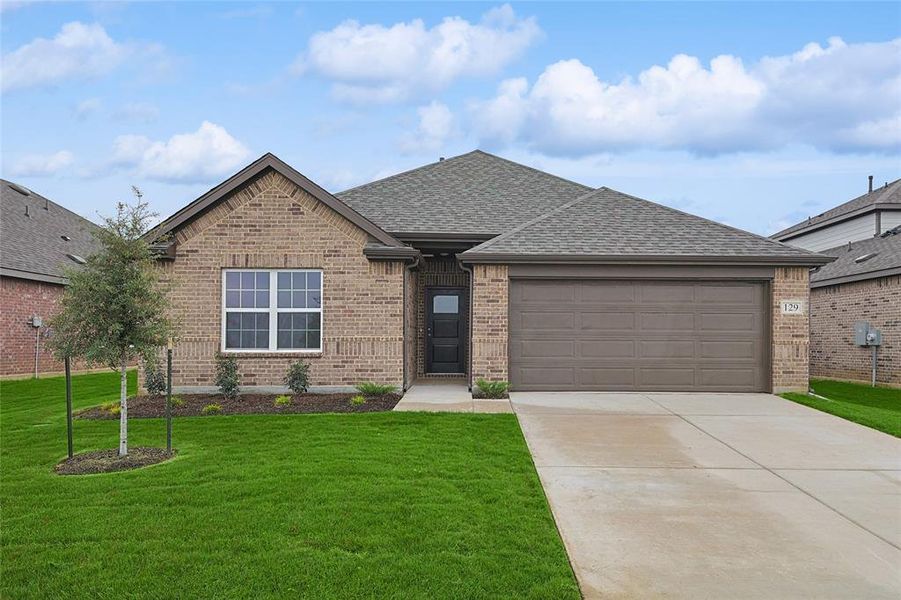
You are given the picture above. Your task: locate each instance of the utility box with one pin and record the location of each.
(864, 335)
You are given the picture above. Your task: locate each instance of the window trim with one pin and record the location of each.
(273, 311)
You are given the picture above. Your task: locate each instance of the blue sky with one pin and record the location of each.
(756, 114)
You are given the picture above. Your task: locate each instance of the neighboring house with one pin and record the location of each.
(478, 267)
(38, 240)
(863, 284)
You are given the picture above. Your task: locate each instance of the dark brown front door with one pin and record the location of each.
(444, 337)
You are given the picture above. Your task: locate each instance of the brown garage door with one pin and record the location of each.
(638, 335)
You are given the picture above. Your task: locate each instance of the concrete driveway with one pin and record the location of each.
(717, 495)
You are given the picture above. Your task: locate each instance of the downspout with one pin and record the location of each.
(469, 322)
(407, 269)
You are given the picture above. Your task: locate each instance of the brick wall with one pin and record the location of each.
(489, 322)
(833, 311)
(271, 223)
(20, 299)
(437, 272)
(790, 339)
(411, 345)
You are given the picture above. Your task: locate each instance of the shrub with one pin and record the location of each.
(283, 400)
(178, 401)
(493, 389)
(227, 375)
(368, 388)
(113, 408)
(211, 409)
(298, 377)
(154, 379)
(357, 400)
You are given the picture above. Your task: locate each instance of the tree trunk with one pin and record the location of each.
(123, 409)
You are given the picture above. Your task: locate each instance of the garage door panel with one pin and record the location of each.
(638, 335)
(606, 321)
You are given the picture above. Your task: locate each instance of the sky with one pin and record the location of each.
(754, 114)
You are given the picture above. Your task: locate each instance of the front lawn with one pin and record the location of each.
(397, 505)
(879, 408)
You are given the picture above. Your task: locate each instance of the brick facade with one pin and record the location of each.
(21, 299)
(790, 333)
(271, 223)
(833, 311)
(489, 322)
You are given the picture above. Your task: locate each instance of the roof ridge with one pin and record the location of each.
(717, 223)
(430, 165)
(537, 219)
(530, 168)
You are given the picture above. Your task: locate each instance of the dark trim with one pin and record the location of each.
(41, 277)
(857, 277)
(596, 259)
(268, 161)
(784, 236)
(755, 273)
(444, 237)
(402, 253)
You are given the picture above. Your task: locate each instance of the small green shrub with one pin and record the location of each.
(493, 389)
(154, 379)
(284, 400)
(211, 409)
(227, 375)
(357, 400)
(113, 408)
(178, 401)
(368, 388)
(298, 377)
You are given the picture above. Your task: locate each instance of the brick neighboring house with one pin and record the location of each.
(38, 239)
(478, 267)
(862, 284)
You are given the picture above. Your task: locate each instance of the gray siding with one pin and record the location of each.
(852, 230)
(890, 219)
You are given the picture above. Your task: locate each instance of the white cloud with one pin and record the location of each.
(436, 125)
(203, 155)
(78, 51)
(87, 107)
(842, 97)
(42, 165)
(375, 63)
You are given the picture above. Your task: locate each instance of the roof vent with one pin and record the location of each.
(865, 257)
(20, 188)
(65, 238)
(77, 259)
(440, 158)
(871, 183)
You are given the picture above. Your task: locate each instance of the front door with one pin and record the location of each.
(444, 338)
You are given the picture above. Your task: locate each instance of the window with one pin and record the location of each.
(274, 311)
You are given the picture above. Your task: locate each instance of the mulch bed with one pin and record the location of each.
(144, 407)
(108, 461)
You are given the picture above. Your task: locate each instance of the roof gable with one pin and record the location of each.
(253, 170)
(886, 196)
(33, 232)
(607, 225)
(474, 193)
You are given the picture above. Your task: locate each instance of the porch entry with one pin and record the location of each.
(445, 330)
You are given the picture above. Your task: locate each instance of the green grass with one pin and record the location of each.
(387, 505)
(879, 408)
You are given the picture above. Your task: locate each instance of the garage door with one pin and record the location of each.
(638, 335)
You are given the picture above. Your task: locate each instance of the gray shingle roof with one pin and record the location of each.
(32, 246)
(890, 194)
(476, 193)
(887, 260)
(607, 223)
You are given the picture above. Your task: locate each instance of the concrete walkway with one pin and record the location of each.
(447, 395)
(717, 495)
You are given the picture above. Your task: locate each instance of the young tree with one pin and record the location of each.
(114, 309)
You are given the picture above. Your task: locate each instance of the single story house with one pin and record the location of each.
(38, 240)
(862, 284)
(480, 268)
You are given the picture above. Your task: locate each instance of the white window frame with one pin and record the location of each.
(273, 311)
